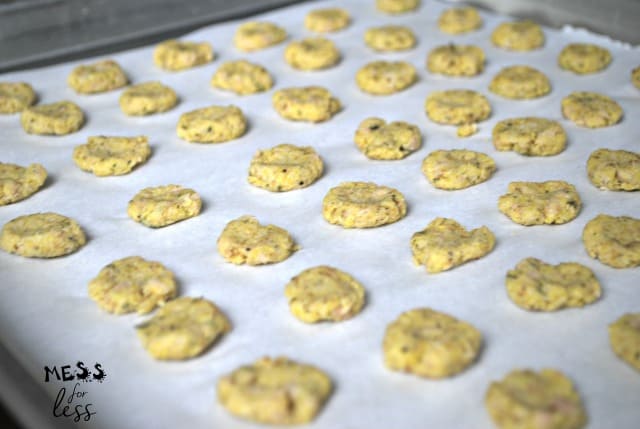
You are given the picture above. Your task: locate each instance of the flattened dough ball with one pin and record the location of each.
(309, 103)
(363, 205)
(457, 168)
(111, 156)
(313, 53)
(132, 284)
(285, 167)
(18, 183)
(42, 235)
(390, 38)
(378, 139)
(536, 285)
(529, 399)
(518, 36)
(164, 205)
(445, 244)
(242, 77)
(98, 77)
(553, 202)
(635, 77)
(459, 20)
(530, 136)
(177, 55)
(397, 6)
(275, 391)
(457, 107)
(456, 60)
(15, 97)
(520, 83)
(254, 36)
(324, 293)
(61, 118)
(624, 337)
(327, 20)
(584, 58)
(147, 98)
(616, 170)
(591, 110)
(386, 77)
(213, 124)
(246, 241)
(430, 344)
(183, 328)
(615, 241)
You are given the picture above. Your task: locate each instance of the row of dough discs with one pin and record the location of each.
(186, 327)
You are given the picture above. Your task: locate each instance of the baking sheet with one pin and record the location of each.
(48, 319)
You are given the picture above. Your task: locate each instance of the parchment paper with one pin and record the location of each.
(48, 319)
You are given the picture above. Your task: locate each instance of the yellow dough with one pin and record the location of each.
(584, 58)
(111, 156)
(147, 98)
(315, 53)
(457, 107)
(591, 110)
(457, 168)
(98, 77)
(213, 124)
(254, 36)
(444, 244)
(18, 183)
(459, 20)
(132, 284)
(390, 38)
(397, 6)
(624, 336)
(276, 391)
(246, 241)
(285, 167)
(324, 294)
(310, 103)
(536, 285)
(456, 60)
(540, 203)
(526, 399)
(520, 82)
(15, 97)
(430, 344)
(386, 77)
(615, 241)
(183, 328)
(363, 205)
(61, 118)
(327, 20)
(518, 36)
(378, 139)
(616, 170)
(530, 136)
(42, 235)
(164, 205)
(177, 55)
(242, 77)
(635, 77)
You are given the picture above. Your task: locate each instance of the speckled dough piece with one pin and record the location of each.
(253, 36)
(591, 110)
(164, 205)
(309, 103)
(275, 391)
(520, 82)
(111, 156)
(246, 241)
(285, 167)
(61, 118)
(459, 20)
(526, 399)
(456, 60)
(615, 241)
(98, 77)
(457, 168)
(536, 285)
(584, 58)
(390, 38)
(445, 244)
(324, 294)
(518, 36)
(18, 183)
(42, 235)
(430, 344)
(615, 170)
(177, 55)
(378, 139)
(183, 328)
(457, 107)
(314, 53)
(132, 284)
(624, 336)
(213, 124)
(147, 98)
(635, 77)
(397, 6)
(530, 136)
(386, 77)
(552, 202)
(242, 77)
(15, 97)
(327, 20)
(363, 205)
